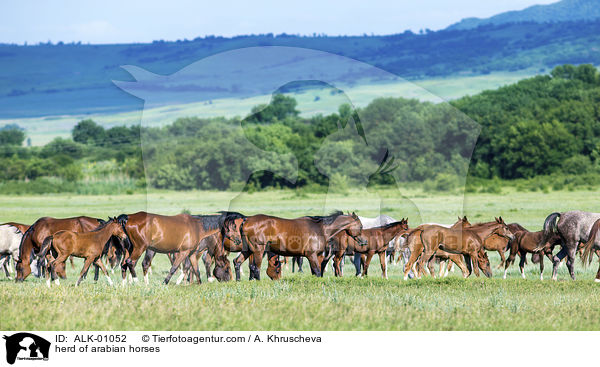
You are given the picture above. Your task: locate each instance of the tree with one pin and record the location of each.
(88, 132)
(11, 136)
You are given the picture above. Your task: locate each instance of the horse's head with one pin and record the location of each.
(274, 268)
(231, 226)
(484, 262)
(461, 223)
(115, 228)
(502, 229)
(352, 225)
(222, 269)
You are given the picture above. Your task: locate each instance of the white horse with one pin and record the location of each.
(10, 240)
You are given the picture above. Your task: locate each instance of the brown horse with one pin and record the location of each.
(180, 234)
(467, 241)
(304, 236)
(376, 240)
(528, 242)
(415, 245)
(593, 243)
(33, 239)
(89, 245)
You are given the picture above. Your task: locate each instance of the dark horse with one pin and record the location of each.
(527, 242)
(34, 237)
(179, 234)
(573, 227)
(304, 236)
(376, 239)
(89, 245)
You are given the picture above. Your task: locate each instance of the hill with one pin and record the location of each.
(562, 11)
(61, 79)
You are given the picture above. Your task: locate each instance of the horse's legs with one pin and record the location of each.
(557, 259)
(100, 265)
(71, 261)
(255, 264)
(195, 269)
(510, 260)
(325, 261)
(146, 263)
(84, 270)
(179, 257)
(357, 263)
(414, 255)
(383, 260)
(208, 260)
(597, 280)
(367, 263)
(522, 255)
(458, 260)
(474, 263)
(503, 259)
(572, 252)
(238, 261)
(541, 266)
(313, 259)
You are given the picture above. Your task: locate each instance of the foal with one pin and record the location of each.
(89, 245)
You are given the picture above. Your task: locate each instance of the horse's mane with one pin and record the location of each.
(326, 219)
(386, 226)
(103, 223)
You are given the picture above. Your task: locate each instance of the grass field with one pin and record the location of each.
(300, 301)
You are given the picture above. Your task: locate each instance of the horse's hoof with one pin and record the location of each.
(211, 279)
(597, 280)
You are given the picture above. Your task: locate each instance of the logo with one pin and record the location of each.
(26, 346)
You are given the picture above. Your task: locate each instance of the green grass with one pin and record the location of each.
(300, 301)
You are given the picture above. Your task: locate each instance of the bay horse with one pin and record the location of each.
(304, 236)
(415, 246)
(593, 243)
(527, 242)
(496, 242)
(179, 234)
(88, 245)
(34, 236)
(467, 241)
(573, 227)
(376, 241)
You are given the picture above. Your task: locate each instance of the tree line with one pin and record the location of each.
(544, 125)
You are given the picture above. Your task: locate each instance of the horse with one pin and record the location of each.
(180, 234)
(10, 240)
(304, 236)
(527, 242)
(467, 241)
(88, 245)
(573, 227)
(414, 244)
(376, 239)
(497, 242)
(34, 236)
(396, 244)
(593, 243)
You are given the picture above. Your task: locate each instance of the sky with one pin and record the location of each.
(128, 21)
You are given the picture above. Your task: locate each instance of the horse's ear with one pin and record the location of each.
(465, 218)
(501, 220)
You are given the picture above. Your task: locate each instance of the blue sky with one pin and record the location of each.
(123, 21)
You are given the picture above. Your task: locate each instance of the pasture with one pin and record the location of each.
(300, 301)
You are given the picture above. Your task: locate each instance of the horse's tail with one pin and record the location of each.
(586, 257)
(45, 247)
(549, 229)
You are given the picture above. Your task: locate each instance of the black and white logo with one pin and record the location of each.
(26, 346)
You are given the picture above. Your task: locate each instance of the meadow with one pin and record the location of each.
(300, 301)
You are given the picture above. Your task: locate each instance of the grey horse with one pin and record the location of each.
(574, 228)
